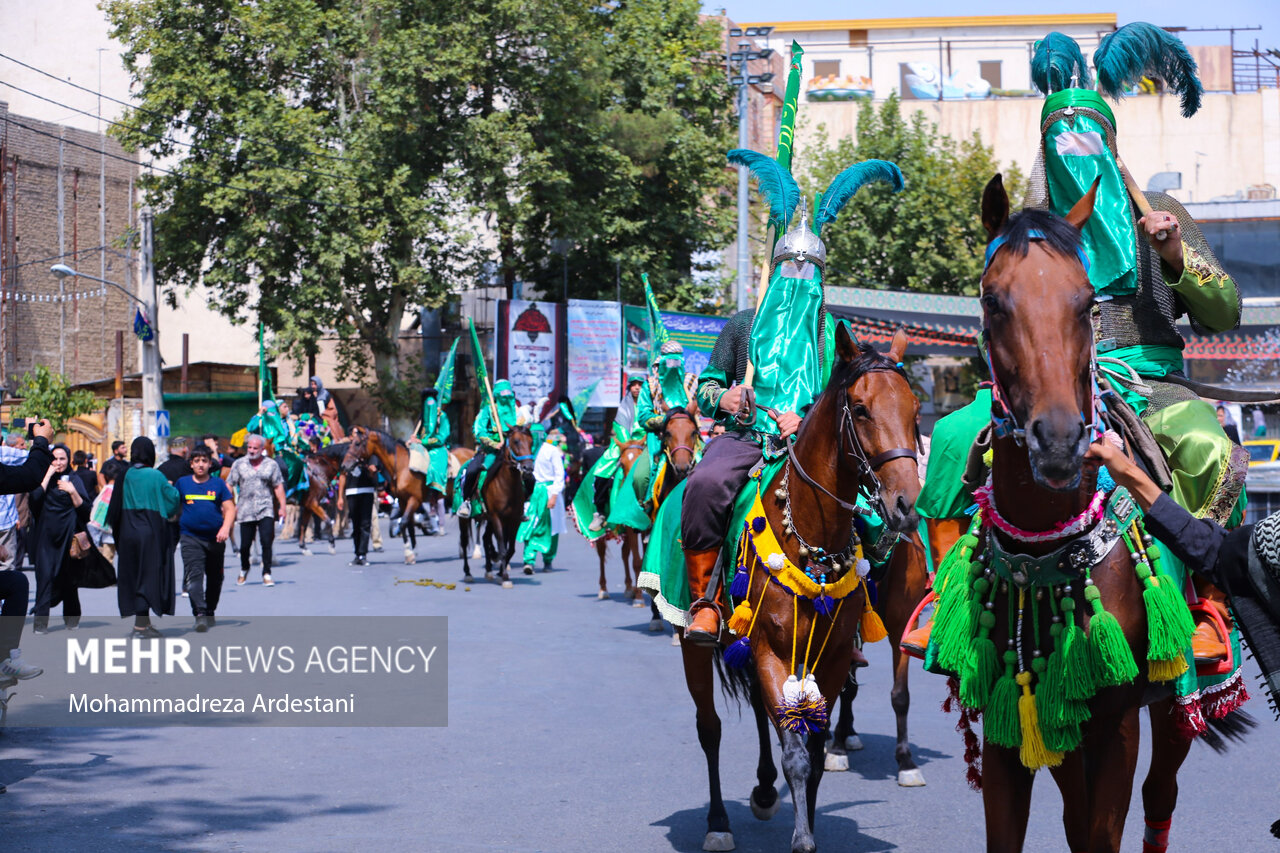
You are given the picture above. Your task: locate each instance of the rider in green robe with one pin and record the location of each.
(489, 435)
(435, 439)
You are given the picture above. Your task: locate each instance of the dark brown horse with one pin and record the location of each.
(323, 468)
(1036, 300)
(859, 437)
(505, 489)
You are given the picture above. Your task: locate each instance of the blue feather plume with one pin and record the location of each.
(1056, 60)
(849, 182)
(776, 183)
(1140, 50)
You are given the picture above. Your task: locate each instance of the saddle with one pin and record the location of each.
(419, 458)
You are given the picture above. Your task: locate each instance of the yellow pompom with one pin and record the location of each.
(740, 621)
(1165, 670)
(987, 457)
(873, 630)
(1034, 754)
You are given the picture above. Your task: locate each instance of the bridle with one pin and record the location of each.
(1004, 423)
(869, 485)
(676, 415)
(358, 451)
(511, 457)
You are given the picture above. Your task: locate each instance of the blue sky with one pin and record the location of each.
(1185, 13)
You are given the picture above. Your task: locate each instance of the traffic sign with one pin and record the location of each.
(162, 423)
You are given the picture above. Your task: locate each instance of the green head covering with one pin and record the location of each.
(669, 366)
(430, 409)
(505, 399)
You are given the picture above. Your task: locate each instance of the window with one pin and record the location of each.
(857, 38)
(990, 71)
(826, 68)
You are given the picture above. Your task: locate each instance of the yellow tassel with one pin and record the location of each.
(1034, 753)
(987, 457)
(873, 630)
(740, 621)
(1165, 670)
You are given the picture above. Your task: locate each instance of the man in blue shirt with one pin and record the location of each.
(208, 512)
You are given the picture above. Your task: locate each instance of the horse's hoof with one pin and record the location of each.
(306, 552)
(602, 595)
(639, 602)
(476, 553)
(675, 639)
(410, 558)
(508, 585)
(718, 841)
(528, 570)
(468, 578)
(488, 575)
(912, 778)
(655, 627)
(629, 592)
(836, 762)
(765, 812)
(852, 743)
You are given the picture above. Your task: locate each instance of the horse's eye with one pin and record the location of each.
(861, 412)
(992, 304)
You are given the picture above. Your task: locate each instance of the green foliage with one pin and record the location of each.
(927, 237)
(48, 395)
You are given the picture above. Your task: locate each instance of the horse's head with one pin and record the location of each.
(878, 426)
(680, 440)
(357, 450)
(519, 447)
(1036, 303)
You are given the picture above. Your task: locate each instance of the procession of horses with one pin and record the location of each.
(1015, 565)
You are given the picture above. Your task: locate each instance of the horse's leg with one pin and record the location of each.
(798, 765)
(511, 526)
(909, 776)
(1169, 749)
(304, 518)
(1070, 776)
(601, 546)
(1111, 756)
(464, 546)
(406, 531)
(631, 560)
(1006, 798)
(843, 738)
(700, 679)
(764, 799)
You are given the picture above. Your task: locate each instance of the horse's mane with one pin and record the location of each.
(844, 374)
(336, 450)
(386, 438)
(1059, 236)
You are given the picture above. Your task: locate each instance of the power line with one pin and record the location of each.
(56, 258)
(162, 138)
(180, 176)
(160, 115)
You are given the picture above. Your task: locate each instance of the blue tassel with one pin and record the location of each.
(873, 594)
(1106, 483)
(738, 589)
(738, 654)
(824, 604)
(758, 523)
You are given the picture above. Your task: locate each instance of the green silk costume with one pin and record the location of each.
(944, 494)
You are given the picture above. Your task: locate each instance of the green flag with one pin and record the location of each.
(583, 398)
(657, 329)
(265, 391)
(787, 131)
(444, 382)
(481, 374)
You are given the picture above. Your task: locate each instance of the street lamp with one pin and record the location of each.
(152, 389)
(736, 63)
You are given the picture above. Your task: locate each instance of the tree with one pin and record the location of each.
(927, 237)
(48, 395)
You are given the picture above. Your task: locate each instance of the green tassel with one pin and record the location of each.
(1113, 662)
(1051, 690)
(1061, 738)
(1077, 665)
(1169, 623)
(957, 623)
(1000, 721)
(981, 666)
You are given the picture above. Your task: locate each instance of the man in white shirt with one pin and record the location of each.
(544, 518)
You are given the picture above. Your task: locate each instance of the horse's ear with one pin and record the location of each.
(899, 346)
(1079, 214)
(995, 206)
(846, 347)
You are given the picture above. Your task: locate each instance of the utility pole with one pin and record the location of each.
(152, 381)
(739, 76)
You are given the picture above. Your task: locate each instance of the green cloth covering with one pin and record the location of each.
(1150, 362)
(535, 530)
(1197, 449)
(626, 497)
(791, 361)
(944, 494)
(270, 426)
(147, 489)
(671, 378)
(1210, 295)
(1076, 154)
(505, 402)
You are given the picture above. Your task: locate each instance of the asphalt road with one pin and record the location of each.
(569, 730)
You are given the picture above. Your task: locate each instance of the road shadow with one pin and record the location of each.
(172, 816)
(687, 828)
(875, 761)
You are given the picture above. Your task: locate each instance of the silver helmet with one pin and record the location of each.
(801, 245)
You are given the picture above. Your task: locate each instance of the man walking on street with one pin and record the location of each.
(176, 466)
(361, 493)
(259, 486)
(207, 515)
(12, 453)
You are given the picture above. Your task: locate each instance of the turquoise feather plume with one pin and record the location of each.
(1140, 50)
(848, 182)
(1056, 60)
(776, 183)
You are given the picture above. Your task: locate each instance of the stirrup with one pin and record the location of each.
(929, 598)
(704, 638)
(1226, 665)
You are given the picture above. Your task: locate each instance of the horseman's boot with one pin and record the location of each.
(1206, 646)
(704, 629)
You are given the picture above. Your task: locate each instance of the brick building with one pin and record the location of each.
(55, 207)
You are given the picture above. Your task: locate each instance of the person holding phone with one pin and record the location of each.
(61, 509)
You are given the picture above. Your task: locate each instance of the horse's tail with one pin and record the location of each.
(735, 682)
(1227, 729)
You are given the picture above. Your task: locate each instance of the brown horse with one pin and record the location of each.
(680, 439)
(505, 489)
(323, 468)
(859, 437)
(1036, 300)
